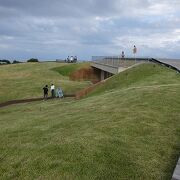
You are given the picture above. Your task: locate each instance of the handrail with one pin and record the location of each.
(164, 64)
(111, 61)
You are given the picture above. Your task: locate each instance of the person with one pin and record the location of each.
(71, 59)
(75, 59)
(68, 59)
(45, 89)
(123, 55)
(52, 90)
(59, 93)
(134, 50)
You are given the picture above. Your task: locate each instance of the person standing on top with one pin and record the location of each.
(45, 89)
(122, 55)
(134, 49)
(52, 90)
(68, 59)
(71, 59)
(75, 59)
(135, 52)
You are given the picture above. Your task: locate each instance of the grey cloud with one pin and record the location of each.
(61, 8)
(55, 28)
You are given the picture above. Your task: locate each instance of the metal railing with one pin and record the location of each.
(165, 64)
(117, 61)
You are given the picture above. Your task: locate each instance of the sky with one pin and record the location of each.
(54, 29)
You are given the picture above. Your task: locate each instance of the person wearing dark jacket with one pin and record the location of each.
(45, 89)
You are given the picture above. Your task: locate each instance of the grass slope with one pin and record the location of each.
(67, 70)
(27, 80)
(142, 75)
(123, 133)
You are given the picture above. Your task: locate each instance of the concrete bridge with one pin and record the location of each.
(109, 66)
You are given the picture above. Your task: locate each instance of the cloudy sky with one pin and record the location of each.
(50, 29)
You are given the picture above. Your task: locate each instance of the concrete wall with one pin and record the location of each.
(106, 68)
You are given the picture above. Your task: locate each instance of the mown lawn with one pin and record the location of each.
(125, 132)
(27, 80)
(67, 70)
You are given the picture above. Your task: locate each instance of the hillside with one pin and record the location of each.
(128, 128)
(26, 80)
(67, 70)
(140, 76)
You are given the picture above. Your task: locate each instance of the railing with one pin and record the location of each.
(165, 64)
(116, 61)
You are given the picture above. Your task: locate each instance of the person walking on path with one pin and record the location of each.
(59, 93)
(45, 89)
(52, 90)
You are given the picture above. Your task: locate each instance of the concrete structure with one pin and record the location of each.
(109, 66)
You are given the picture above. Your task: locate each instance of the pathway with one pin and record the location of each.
(19, 101)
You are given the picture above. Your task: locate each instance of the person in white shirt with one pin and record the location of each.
(71, 59)
(52, 90)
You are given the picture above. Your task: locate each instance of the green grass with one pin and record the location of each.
(142, 75)
(27, 80)
(67, 70)
(124, 131)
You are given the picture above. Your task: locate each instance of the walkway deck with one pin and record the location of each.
(115, 65)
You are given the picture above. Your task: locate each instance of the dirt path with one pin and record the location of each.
(82, 93)
(19, 101)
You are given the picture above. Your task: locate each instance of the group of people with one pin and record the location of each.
(71, 59)
(55, 92)
(134, 52)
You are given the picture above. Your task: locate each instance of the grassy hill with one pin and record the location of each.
(140, 76)
(27, 80)
(129, 128)
(67, 70)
